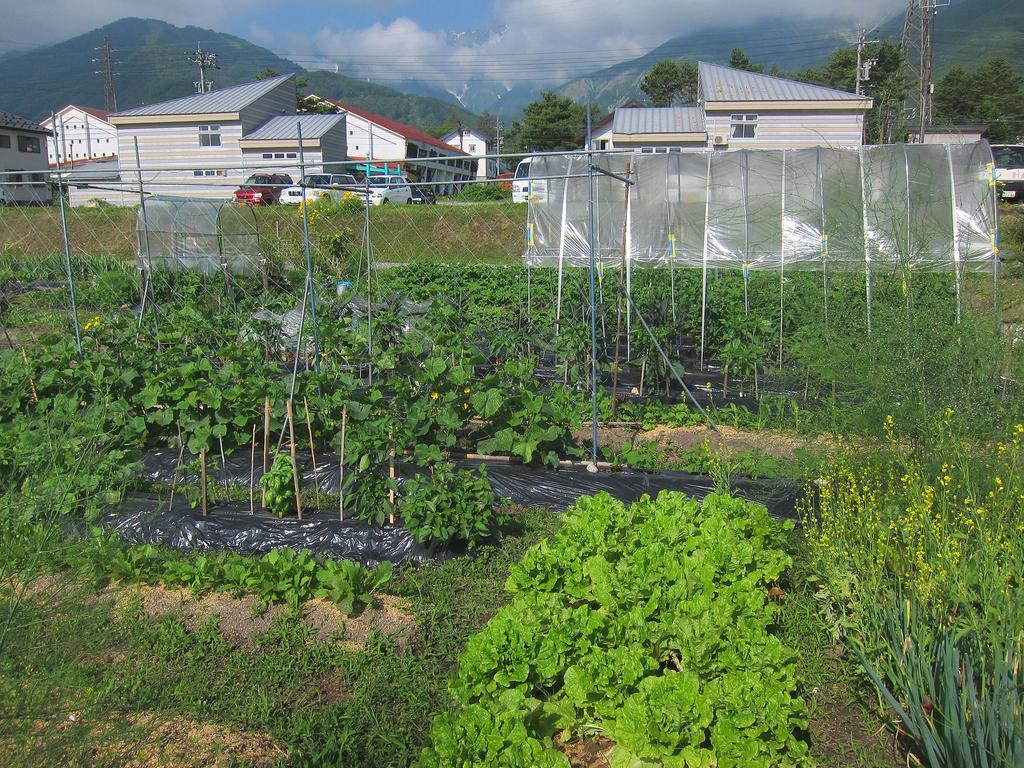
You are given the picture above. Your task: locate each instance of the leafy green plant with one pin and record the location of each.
(279, 485)
(449, 505)
(349, 585)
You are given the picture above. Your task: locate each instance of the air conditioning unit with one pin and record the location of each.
(721, 141)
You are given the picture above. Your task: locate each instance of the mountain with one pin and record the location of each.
(152, 66)
(968, 32)
(787, 44)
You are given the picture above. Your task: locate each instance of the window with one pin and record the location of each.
(472, 147)
(209, 173)
(290, 155)
(744, 126)
(602, 143)
(279, 155)
(5, 141)
(268, 155)
(209, 135)
(28, 144)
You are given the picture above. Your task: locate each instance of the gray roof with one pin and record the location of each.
(286, 127)
(232, 99)
(718, 83)
(658, 120)
(19, 123)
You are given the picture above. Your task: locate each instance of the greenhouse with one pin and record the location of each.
(206, 236)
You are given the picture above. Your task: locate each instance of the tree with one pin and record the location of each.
(549, 124)
(887, 85)
(992, 94)
(668, 81)
(738, 60)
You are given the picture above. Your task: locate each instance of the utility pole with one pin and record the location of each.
(497, 144)
(106, 70)
(918, 40)
(204, 60)
(863, 65)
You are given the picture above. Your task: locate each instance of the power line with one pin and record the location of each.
(918, 48)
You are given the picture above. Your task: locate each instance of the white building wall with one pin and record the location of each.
(475, 144)
(80, 136)
(789, 129)
(23, 175)
(387, 145)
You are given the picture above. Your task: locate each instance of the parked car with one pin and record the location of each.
(263, 188)
(423, 196)
(1009, 171)
(389, 189)
(317, 185)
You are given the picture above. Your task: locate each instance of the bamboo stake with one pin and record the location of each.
(266, 447)
(202, 479)
(223, 465)
(177, 468)
(312, 453)
(341, 466)
(295, 463)
(31, 381)
(615, 366)
(391, 474)
(252, 473)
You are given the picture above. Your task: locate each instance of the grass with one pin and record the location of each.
(85, 684)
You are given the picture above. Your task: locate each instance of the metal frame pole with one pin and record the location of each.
(67, 245)
(782, 257)
(956, 231)
(867, 241)
(311, 290)
(746, 233)
(561, 246)
(704, 262)
(593, 269)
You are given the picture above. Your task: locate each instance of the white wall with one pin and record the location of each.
(24, 175)
(80, 136)
(473, 143)
(790, 129)
(387, 145)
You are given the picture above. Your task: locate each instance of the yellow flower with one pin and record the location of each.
(465, 406)
(434, 395)
(466, 390)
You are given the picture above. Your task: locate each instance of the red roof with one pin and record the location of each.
(102, 114)
(403, 129)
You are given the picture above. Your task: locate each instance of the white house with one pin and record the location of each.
(205, 145)
(473, 143)
(737, 109)
(24, 177)
(382, 140)
(748, 110)
(80, 134)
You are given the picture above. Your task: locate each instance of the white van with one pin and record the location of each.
(522, 188)
(1009, 161)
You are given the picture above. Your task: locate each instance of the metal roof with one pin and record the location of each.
(718, 83)
(19, 123)
(286, 127)
(231, 99)
(658, 120)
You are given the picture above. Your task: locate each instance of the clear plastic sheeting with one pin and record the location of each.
(207, 236)
(927, 207)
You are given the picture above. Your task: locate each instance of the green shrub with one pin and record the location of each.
(449, 505)
(480, 193)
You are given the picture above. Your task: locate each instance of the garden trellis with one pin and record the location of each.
(896, 208)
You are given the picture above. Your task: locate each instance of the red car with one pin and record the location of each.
(263, 188)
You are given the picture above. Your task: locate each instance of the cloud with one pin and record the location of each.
(549, 41)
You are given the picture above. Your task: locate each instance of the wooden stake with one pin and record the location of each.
(341, 466)
(295, 463)
(391, 474)
(202, 479)
(223, 465)
(312, 453)
(252, 474)
(177, 468)
(31, 381)
(266, 448)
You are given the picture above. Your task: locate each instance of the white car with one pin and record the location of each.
(389, 189)
(1009, 170)
(317, 185)
(523, 189)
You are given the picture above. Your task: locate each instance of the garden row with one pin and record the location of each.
(645, 628)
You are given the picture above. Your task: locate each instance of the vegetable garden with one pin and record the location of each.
(628, 631)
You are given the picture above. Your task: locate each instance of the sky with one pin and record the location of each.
(390, 40)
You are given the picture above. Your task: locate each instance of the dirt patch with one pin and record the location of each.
(183, 742)
(586, 753)
(680, 440)
(242, 619)
(842, 734)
